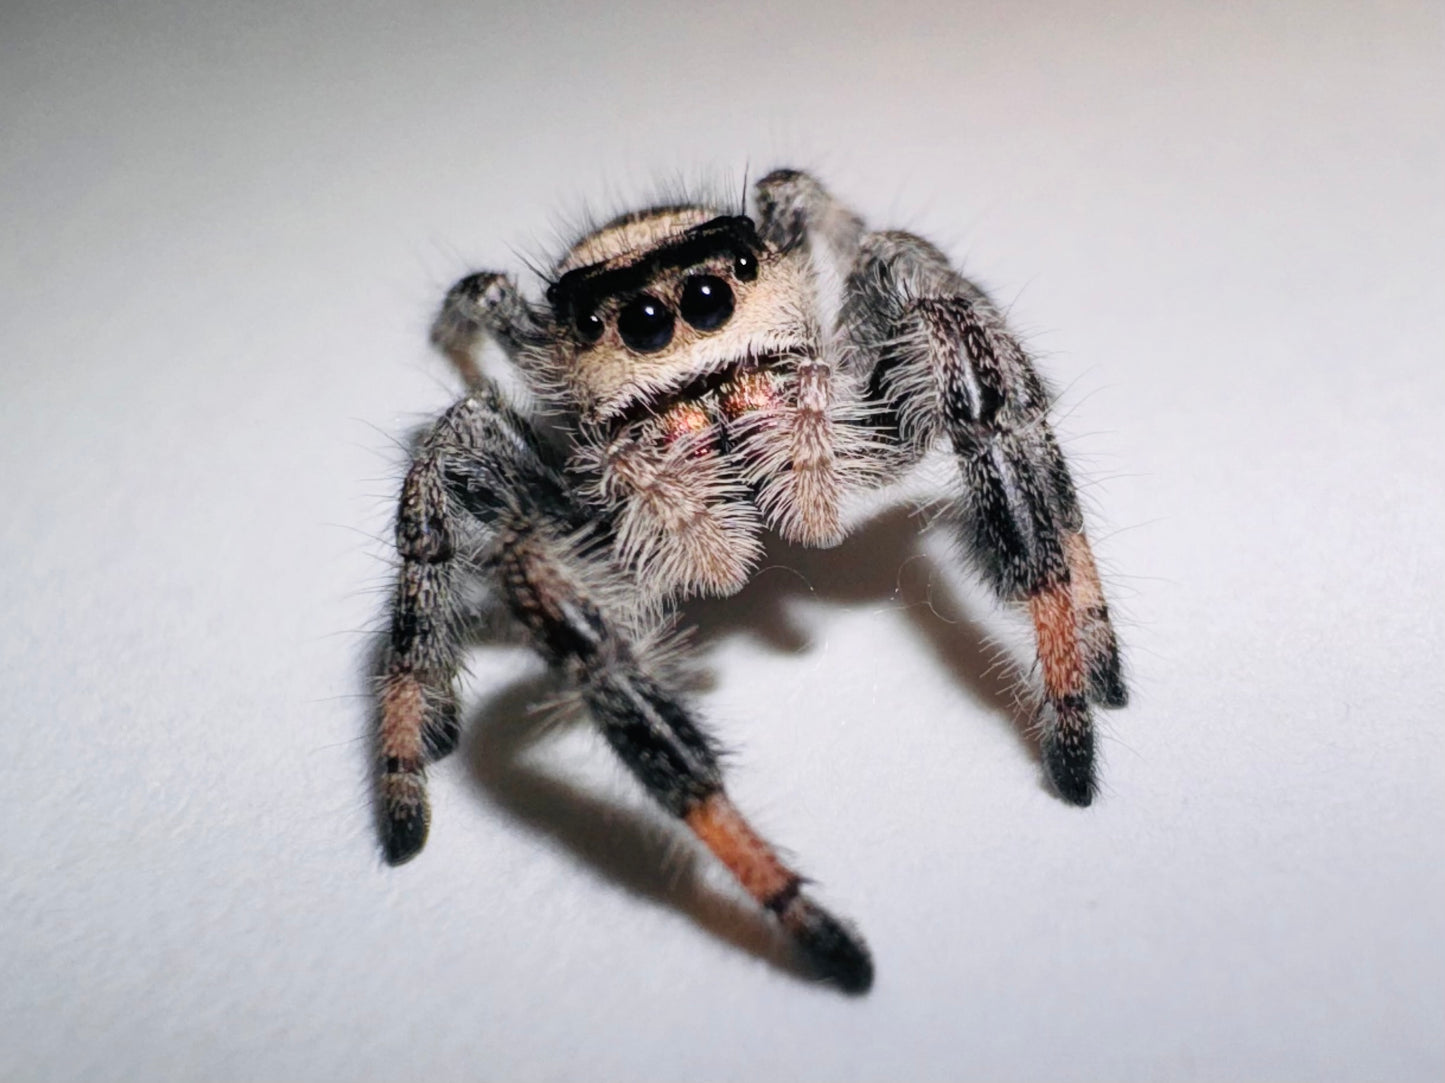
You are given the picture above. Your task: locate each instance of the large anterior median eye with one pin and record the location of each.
(645, 324)
(707, 302)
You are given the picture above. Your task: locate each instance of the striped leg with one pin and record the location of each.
(418, 712)
(1021, 513)
(553, 592)
(945, 367)
(437, 538)
(482, 486)
(482, 305)
(1096, 633)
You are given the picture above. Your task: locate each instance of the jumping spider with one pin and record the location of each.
(706, 388)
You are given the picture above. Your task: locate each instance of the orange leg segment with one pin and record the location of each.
(834, 949)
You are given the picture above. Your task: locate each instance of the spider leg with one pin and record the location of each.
(657, 738)
(1096, 632)
(440, 541)
(483, 305)
(490, 489)
(941, 365)
(947, 366)
(418, 710)
(796, 211)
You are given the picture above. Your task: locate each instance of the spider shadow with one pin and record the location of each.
(646, 853)
(882, 564)
(636, 848)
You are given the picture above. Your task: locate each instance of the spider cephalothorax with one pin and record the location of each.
(709, 379)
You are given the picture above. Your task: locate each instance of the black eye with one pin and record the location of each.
(745, 266)
(706, 302)
(645, 324)
(589, 327)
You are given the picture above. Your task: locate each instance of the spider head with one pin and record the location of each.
(661, 299)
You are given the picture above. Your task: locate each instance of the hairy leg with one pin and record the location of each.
(418, 712)
(562, 604)
(1096, 632)
(483, 305)
(949, 367)
(1019, 504)
(484, 489)
(942, 366)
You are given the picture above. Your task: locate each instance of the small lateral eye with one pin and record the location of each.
(745, 266)
(589, 327)
(645, 324)
(706, 303)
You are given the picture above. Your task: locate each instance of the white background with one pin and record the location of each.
(223, 232)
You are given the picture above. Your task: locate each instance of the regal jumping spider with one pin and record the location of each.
(706, 389)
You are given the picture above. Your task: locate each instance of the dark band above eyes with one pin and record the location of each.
(583, 289)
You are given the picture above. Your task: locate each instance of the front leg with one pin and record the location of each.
(480, 306)
(485, 500)
(560, 597)
(946, 367)
(940, 365)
